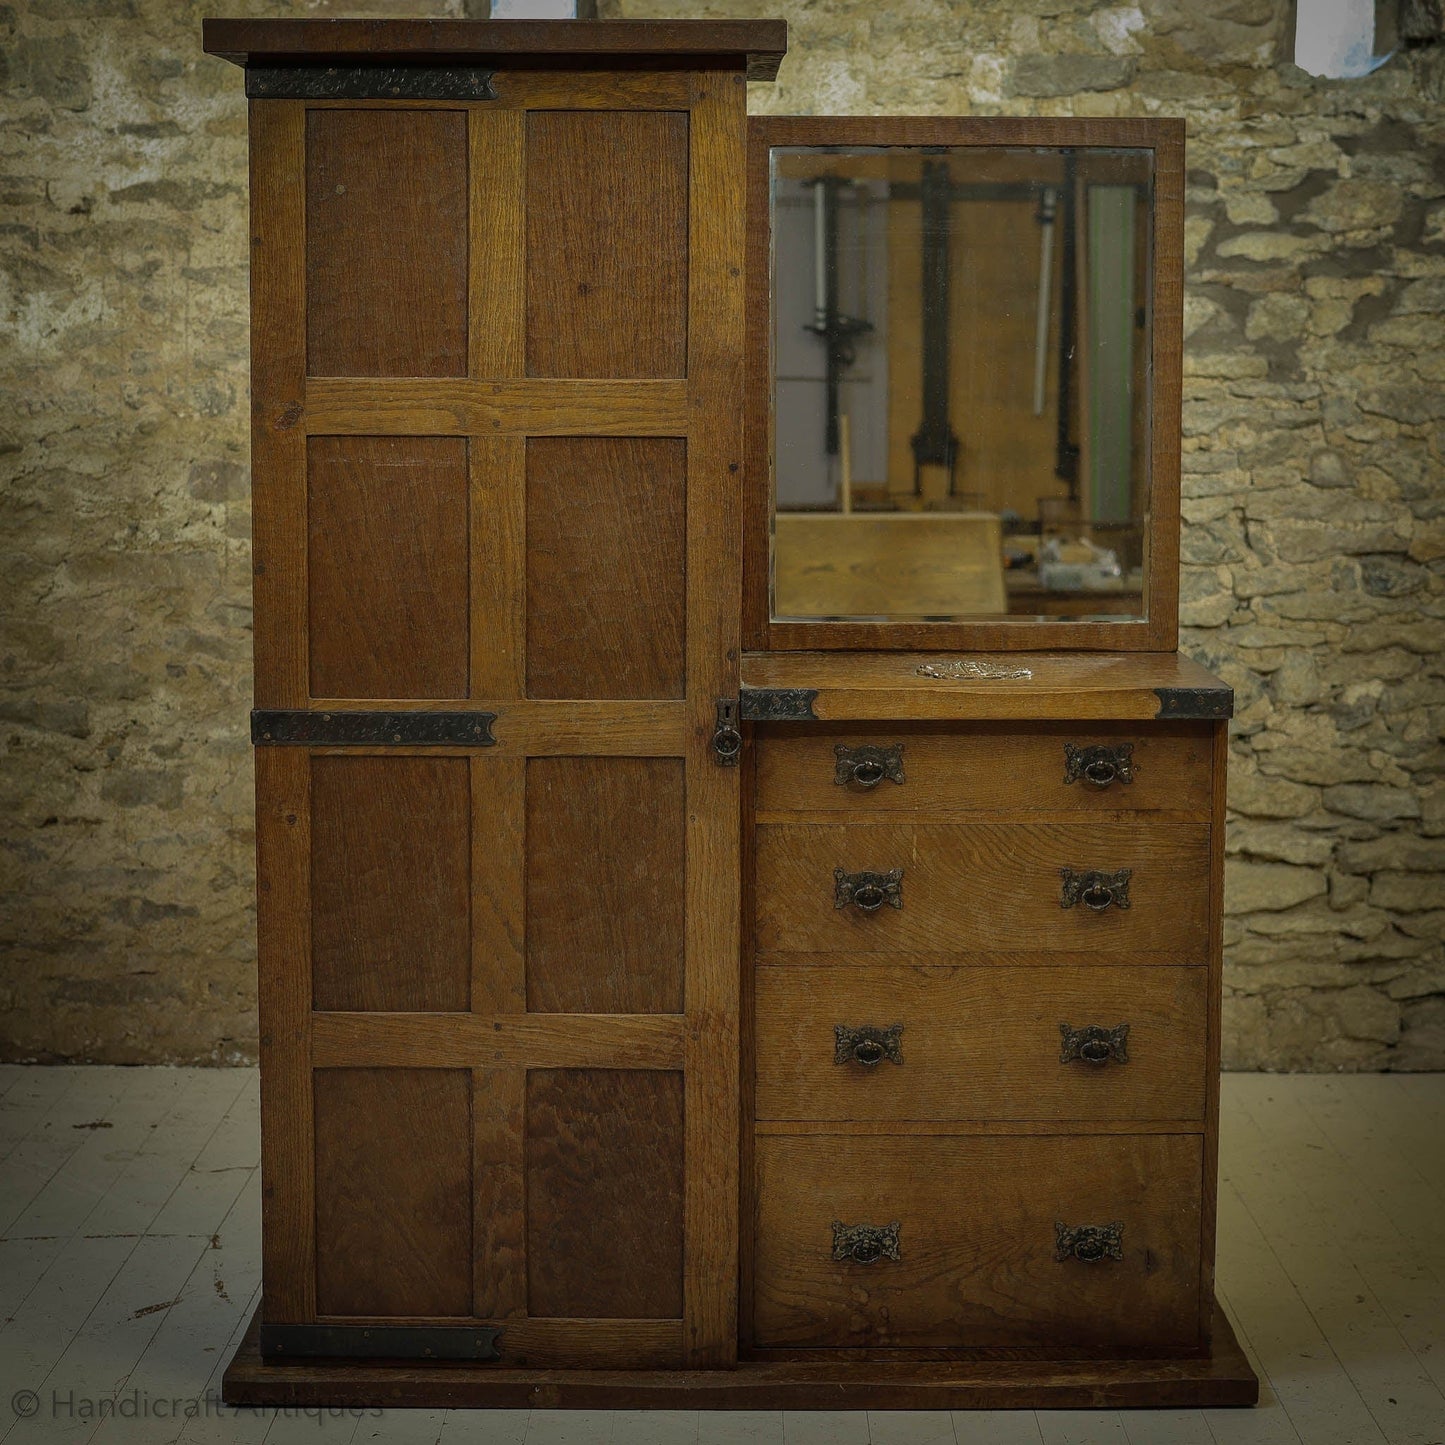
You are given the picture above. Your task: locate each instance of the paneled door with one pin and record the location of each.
(497, 446)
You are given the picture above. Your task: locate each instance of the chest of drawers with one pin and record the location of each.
(655, 1012)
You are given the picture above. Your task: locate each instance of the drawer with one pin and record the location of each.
(980, 1043)
(982, 1241)
(1067, 768)
(964, 887)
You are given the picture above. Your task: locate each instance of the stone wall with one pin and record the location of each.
(1314, 541)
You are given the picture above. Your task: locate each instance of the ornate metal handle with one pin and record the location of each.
(727, 741)
(1096, 890)
(1099, 764)
(1091, 1243)
(865, 1243)
(868, 891)
(1094, 1044)
(868, 765)
(867, 1045)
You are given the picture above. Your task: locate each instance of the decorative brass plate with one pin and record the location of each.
(961, 669)
(864, 1044)
(1094, 889)
(1099, 764)
(867, 765)
(868, 891)
(865, 1243)
(1094, 1044)
(1091, 1243)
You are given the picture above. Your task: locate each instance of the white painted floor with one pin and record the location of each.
(129, 1266)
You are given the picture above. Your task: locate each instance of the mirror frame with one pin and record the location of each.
(1158, 631)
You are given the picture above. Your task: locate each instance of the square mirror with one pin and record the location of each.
(963, 369)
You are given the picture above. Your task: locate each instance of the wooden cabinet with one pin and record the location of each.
(643, 1021)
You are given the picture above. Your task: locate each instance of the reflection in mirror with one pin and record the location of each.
(961, 382)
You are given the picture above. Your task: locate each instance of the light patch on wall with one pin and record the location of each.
(1336, 38)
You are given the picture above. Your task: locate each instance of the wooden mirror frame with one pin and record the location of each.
(1158, 631)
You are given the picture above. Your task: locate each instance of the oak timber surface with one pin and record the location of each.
(875, 685)
(681, 43)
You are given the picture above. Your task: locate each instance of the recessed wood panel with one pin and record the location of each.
(393, 1192)
(607, 237)
(604, 1194)
(390, 883)
(605, 883)
(977, 1242)
(386, 567)
(386, 242)
(606, 533)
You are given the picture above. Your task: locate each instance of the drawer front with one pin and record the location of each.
(893, 1042)
(1132, 888)
(978, 1241)
(894, 769)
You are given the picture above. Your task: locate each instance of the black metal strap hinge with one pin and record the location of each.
(380, 1342)
(303, 728)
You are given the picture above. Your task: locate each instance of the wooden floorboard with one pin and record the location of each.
(129, 1262)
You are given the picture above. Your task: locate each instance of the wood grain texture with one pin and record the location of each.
(527, 407)
(497, 255)
(1156, 633)
(713, 859)
(604, 1193)
(393, 1192)
(386, 242)
(976, 1236)
(499, 1041)
(387, 567)
(606, 538)
(985, 886)
(981, 1044)
(755, 46)
(498, 874)
(278, 392)
(391, 883)
(1224, 1378)
(283, 953)
(986, 767)
(1066, 685)
(499, 1207)
(607, 243)
(1209, 1210)
(604, 893)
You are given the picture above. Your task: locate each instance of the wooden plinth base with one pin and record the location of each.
(1223, 1379)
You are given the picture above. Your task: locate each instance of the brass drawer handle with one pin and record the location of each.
(1094, 1044)
(867, 765)
(868, 891)
(1096, 890)
(865, 1243)
(1091, 1243)
(1099, 764)
(867, 1045)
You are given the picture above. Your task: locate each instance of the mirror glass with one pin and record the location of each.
(960, 382)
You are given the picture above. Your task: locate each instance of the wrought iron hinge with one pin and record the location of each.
(727, 741)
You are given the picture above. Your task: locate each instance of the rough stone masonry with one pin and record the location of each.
(1314, 491)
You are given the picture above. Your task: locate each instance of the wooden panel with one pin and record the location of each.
(604, 885)
(985, 886)
(393, 1192)
(278, 391)
(605, 553)
(981, 1043)
(387, 568)
(386, 242)
(985, 768)
(493, 408)
(607, 243)
(283, 952)
(456, 1041)
(900, 685)
(604, 1193)
(976, 1237)
(498, 256)
(499, 1211)
(390, 883)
